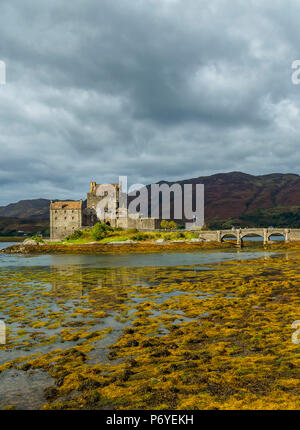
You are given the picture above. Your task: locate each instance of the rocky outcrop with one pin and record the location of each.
(116, 248)
(30, 242)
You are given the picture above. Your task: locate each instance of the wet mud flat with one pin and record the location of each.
(152, 338)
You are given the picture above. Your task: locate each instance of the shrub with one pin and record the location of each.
(132, 230)
(77, 234)
(100, 231)
(140, 236)
(164, 224)
(168, 225)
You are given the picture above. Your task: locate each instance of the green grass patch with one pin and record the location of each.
(103, 235)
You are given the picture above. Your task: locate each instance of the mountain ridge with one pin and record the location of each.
(233, 197)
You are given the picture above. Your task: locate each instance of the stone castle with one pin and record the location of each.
(69, 216)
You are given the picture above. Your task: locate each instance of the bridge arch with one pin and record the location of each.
(252, 234)
(277, 234)
(228, 235)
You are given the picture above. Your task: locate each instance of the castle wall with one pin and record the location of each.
(148, 224)
(139, 223)
(89, 217)
(92, 200)
(126, 223)
(64, 221)
(112, 205)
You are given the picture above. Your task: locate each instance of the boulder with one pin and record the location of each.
(160, 241)
(122, 242)
(30, 242)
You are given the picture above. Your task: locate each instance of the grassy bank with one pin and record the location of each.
(101, 233)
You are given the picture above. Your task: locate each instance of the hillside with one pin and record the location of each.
(230, 199)
(239, 198)
(18, 227)
(235, 194)
(38, 208)
(245, 200)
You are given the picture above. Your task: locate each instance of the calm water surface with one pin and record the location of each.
(130, 260)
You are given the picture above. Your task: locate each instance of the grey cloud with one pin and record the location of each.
(153, 90)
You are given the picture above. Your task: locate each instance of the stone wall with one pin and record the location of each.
(126, 223)
(89, 217)
(63, 222)
(210, 236)
(139, 223)
(93, 199)
(148, 224)
(293, 235)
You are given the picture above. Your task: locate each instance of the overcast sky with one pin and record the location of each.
(151, 89)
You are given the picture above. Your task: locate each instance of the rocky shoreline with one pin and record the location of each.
(114, 247)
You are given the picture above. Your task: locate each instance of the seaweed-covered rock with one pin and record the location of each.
(50, 393)
(88, 384)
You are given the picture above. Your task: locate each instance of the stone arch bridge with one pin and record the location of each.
(290, 235)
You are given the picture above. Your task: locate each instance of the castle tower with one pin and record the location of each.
(65, 218)
(93, 200)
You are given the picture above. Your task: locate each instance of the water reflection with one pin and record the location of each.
(130, 260)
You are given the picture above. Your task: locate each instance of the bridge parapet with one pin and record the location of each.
(239, 234)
